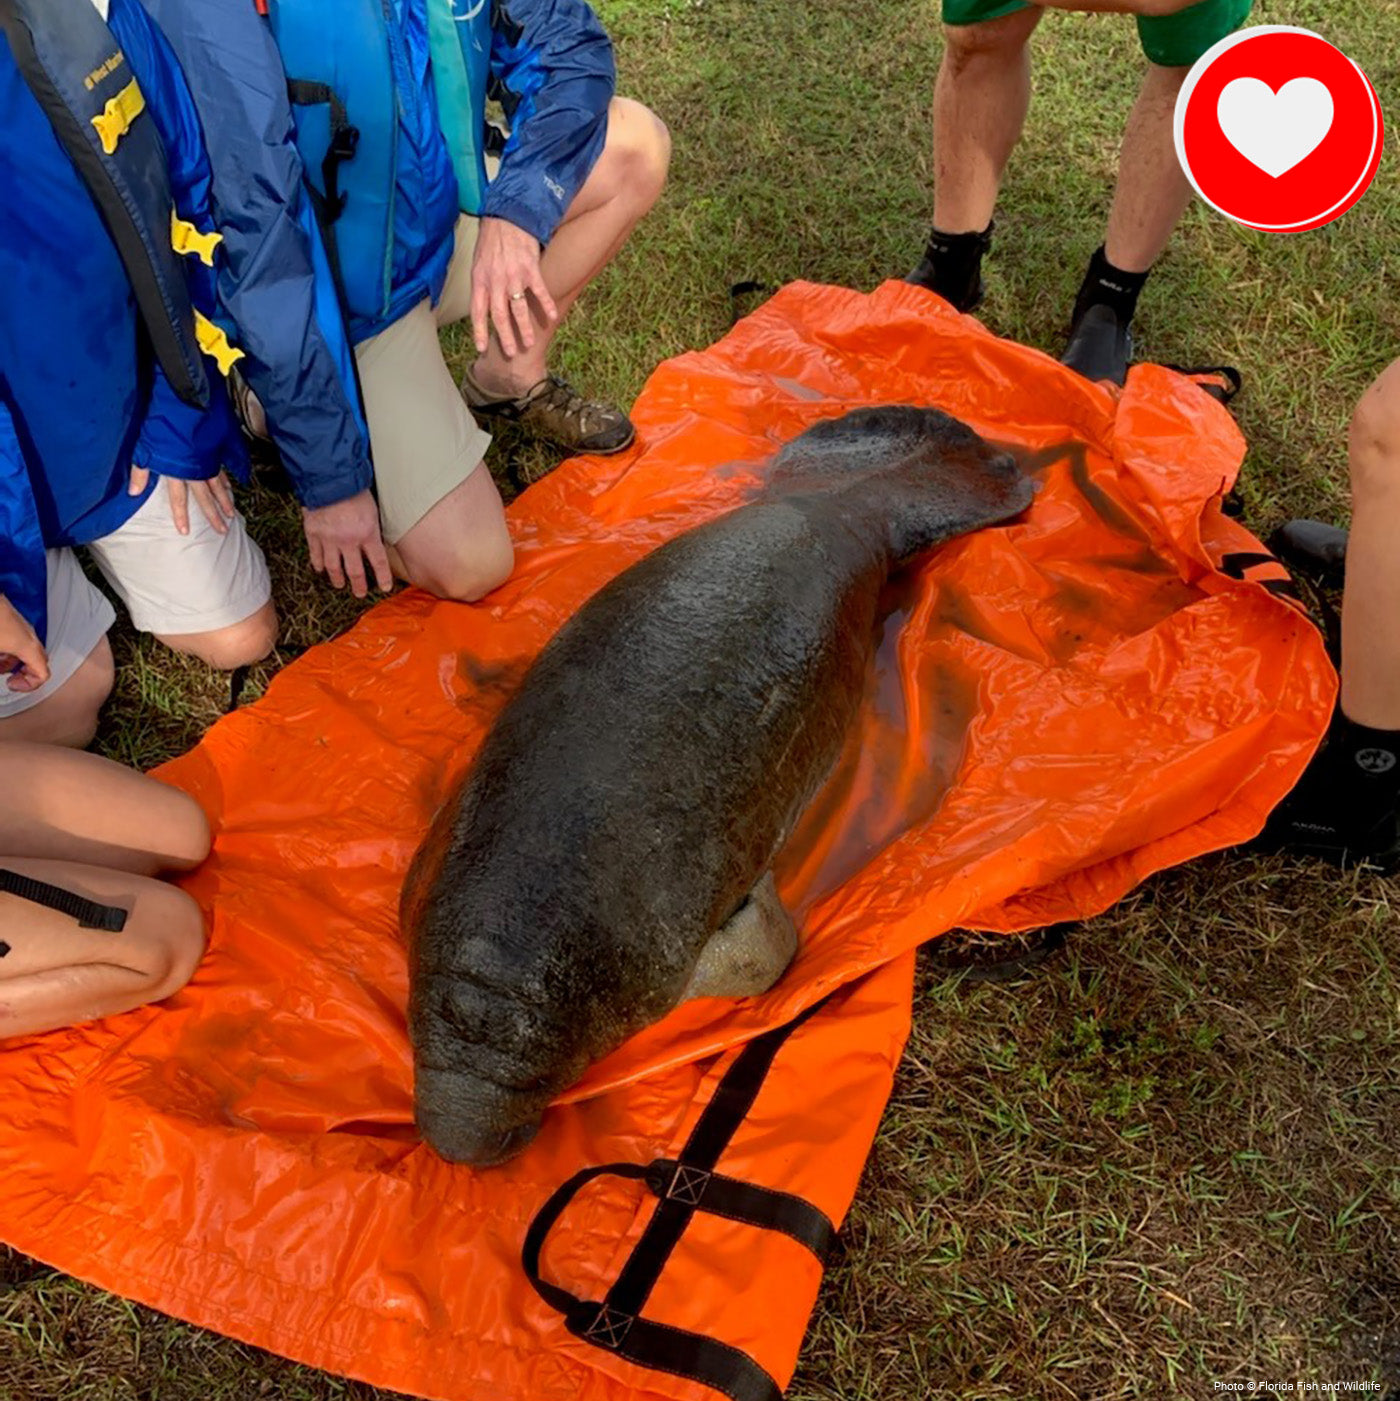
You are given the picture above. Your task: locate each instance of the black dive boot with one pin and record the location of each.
(1344, 807)
(1314, 549)
(1100, 334)
(952, 267)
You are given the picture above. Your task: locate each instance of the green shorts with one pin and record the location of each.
(1174, 41)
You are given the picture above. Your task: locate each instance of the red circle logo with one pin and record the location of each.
(1278, 129)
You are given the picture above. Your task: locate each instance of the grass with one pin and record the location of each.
(1170, 1159)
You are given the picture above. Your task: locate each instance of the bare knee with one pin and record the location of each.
(69, 716)
(640, 144)
(467, 576)
(990, 42)
(1375, 437)
(240, 644)
(184, 832)
(461, 549)
(172, 928)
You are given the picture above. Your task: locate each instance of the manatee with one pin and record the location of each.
(609, 851)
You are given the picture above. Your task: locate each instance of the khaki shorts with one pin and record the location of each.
(424, 439)
(170, 584)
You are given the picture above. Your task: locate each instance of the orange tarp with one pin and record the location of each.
(1059, 708)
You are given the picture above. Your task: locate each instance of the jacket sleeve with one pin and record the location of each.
(552, 70)
(274, 280)
(23, 573)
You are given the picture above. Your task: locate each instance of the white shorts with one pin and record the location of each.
(79, 616)
(170, 584)
(173, 583)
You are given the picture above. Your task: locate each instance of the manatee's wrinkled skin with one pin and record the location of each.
(636, 787)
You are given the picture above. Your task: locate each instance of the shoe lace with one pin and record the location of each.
(559, 395)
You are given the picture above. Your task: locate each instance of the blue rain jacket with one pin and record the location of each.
(81, 393)
(399, 74)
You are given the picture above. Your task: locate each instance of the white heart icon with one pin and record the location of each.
(1275, 130)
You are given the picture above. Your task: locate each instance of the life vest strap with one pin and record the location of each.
(119, 157)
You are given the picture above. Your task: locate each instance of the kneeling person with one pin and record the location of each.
(422, 239)
(86, 930)
(110, 361)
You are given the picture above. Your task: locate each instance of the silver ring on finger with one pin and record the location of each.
(517, 296)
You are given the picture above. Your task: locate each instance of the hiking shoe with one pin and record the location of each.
(554, 411)
(1100, 345)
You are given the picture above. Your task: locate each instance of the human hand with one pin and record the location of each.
(22, 656)
(507, 287)
(342, 536)
(215, 498)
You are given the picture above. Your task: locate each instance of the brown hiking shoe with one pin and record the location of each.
(554, 411)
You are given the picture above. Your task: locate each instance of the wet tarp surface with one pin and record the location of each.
(1059, 707)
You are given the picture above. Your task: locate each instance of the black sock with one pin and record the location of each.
(1106, 285)
(1370, 759)
(952, 266)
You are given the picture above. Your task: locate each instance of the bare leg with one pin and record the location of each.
(239, 644)
(69, 716)
(1371, 602)
(461, 549)
(54, 973)
(1346, 807)
(72, 807)
(619, 190)
(980, 101)
(1152, 192)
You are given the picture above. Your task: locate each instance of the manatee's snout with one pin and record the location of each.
(467, 1121)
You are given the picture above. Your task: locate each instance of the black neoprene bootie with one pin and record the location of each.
(952, 267)
(1312, 548)
(1100, 334)
(1344, 807)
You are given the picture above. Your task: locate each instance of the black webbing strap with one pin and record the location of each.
(739, 292)
(685, 1185)
(767, 1207)
(88, 913)
(345, 141)
(1237, 565)
(1202, 374)
(328, 204)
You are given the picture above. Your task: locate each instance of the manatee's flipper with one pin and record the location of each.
(750, 951)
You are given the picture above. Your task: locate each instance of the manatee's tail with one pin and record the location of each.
(918, 474)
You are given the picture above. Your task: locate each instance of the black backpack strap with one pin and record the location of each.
(88, 913)
(685, 1185)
